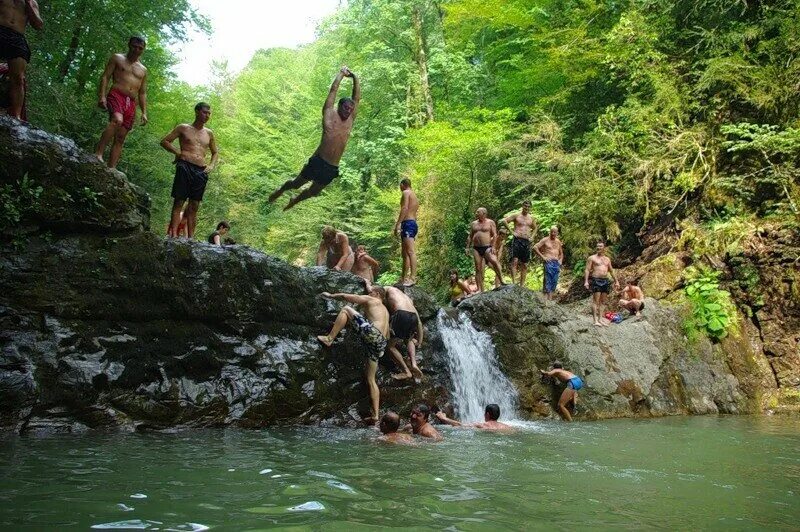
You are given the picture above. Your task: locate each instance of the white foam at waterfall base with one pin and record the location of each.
(475, 374)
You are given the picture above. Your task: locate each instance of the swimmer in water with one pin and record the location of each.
(420, 425)
(390, 423)
(490, 417)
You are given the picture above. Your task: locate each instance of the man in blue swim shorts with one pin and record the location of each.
(570, 393)
(406, 229)
(551, 251)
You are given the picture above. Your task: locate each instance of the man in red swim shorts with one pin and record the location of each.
(130, 84)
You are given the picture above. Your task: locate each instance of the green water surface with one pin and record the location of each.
(739, 473)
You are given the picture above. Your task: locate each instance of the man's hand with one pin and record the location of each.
(337, 268)
(102, 104)
(440, 416)
(586, 285)
(144, 119)
(326, 295)
(346, 72)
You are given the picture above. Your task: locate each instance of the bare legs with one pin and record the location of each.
(491, 260)
(566, 396)
(523, 273)
(16, 75)
(114, 130)
(407, 373)
(598, 306)
(409, 253)
(634, 306)
(341, 320)
(478, 258)
(190, 214)
(314, 190)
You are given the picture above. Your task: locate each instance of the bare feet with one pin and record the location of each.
(99, 157)
(325, 340)
(597, 324)
(401, 376)
(417, 372)
(409, 282)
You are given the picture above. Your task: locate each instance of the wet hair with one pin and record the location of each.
(379, 289)
(328, 231)
(424, 410)
(390, 421)
(137, 39)
(493, 412)
(223, 224)
(202, 105)
(406, 182)
(346, 100)
(558, 365)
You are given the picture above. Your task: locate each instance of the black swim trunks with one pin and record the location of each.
(403, 324)
(600, 284)
(374, 342)
(319, 170)
(190, 181)
(13, 44)
(481, 250)
(521, 249)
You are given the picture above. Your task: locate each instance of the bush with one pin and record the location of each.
(712, 308)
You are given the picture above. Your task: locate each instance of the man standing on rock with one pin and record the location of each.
(632, 298)
(323, 166)
(191, 171)
(551, 251)
(406, 327)
(372, 329)
(524, 228)
(490, 420)
(406, 228)
(129, 84)
(596, 278)
(570, 393)
(482, 232)
(15, 15)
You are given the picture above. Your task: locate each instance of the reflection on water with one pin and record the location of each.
(707, 472)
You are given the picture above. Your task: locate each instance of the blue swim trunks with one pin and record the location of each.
(408, 229)
(575, 383)
(551, 270)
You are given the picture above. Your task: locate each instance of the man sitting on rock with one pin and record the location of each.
(372, 329)
(390, 423)
(406, 327)
(490, 417)
(570, 393)
(365, 266)
(632, 298)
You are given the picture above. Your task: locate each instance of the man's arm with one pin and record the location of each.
(560, 252)
(355, 299)
(356, 92)
(538, 248)
(464, 287)
(447, 421)
(34, 17)
(143, 98)
(107, 73)
(469, 237)
(217, 240)
(167, 141)
(334, 90)
(586, 272)
(613, 274)
(322, 254)
(374, 264)
(420, 331)
(212, 145)
(509, 218)
(492, 232)
(344, 251)
(403, 210)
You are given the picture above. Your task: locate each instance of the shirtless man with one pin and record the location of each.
(323, 166)
(372, 329)
(490, 417)
(129, 84)
(551, 251)
(191, 172)
(406, 228)
(481, 235)
(406, 327)
(596, 279)
(15, 15)
(365, 266)
(524, 228)
(632, 298)
(570, 393)
(390, 423)
(334, 250)
(419, 423)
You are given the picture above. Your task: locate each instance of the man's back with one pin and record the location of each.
(376, 312)
(427, 431)
(412, 204)
(13, 15)
(399, 300)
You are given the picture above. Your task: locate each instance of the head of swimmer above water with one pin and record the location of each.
(420, 415)
(390, 422)
(346, 108)
(492, 412)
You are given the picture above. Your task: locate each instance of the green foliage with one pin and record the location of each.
(712, 311)
(16, 200)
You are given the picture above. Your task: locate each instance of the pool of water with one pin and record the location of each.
(701, 472)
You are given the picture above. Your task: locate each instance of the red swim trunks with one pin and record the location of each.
(119, 102)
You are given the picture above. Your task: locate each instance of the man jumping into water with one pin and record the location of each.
(490, 417)
(323, 166)
(406, 327)
(129, 78)
(15, 15)
(570, 393)
(551, 251)
(524, 228)
(406, 228)
(481, 235)
(596, 279)
(372, 329)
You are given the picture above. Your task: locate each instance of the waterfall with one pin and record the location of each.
(476, 377)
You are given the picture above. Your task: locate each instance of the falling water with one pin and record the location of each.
(476, 377)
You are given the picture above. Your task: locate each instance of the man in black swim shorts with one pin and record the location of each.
(15, 15)
(323, 166)
(406, 328)
(597, 277)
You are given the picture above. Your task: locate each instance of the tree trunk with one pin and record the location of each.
(422, 64)
(74, 43)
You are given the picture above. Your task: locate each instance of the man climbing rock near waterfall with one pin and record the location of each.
(632, 298)
(551, 251)
(407, 328)
(191, 171)
(490, 420)
(372, 329)
(570, 393)
(406, 228)
(389, 426)
(524, 229)
(337, 123)
(597, 277)
(482, 232)
(129, 78)
(15, 15)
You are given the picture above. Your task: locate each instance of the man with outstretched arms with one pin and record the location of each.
(372, 329)
(551, 251)
(15, 15)
(524, 229)
(482, 232)
(490, 420)
(406, 327)
(597, 277)
(191, 172)
(337, 123)
(406, 228)
(129, 84)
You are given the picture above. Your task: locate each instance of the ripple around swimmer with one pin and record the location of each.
(310, 506)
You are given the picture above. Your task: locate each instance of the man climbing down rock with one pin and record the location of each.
(596, 278)
(570, 393)
(15, 15)
(524, 228)
(406, 327)
(191, 172)
(490, 420)
(372, 329)
(129, 78)
(632, 298)
(406, 228)
(551, 251)
(482, 232)
(323, 166)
